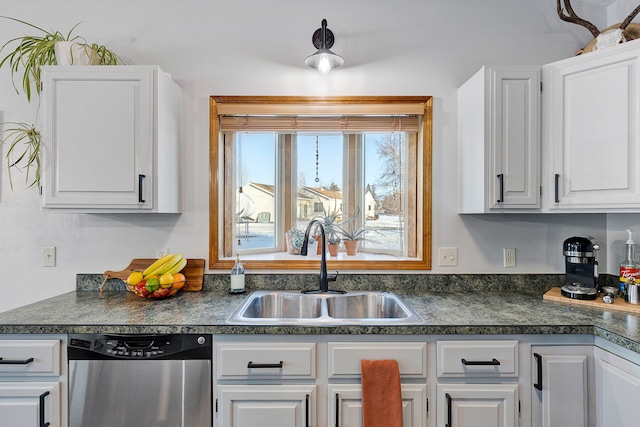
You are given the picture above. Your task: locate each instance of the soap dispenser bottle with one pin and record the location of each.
(629, 267)
(237, 277)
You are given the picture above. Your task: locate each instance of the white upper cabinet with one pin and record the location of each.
(111, 139)
(591, 131)
(499, 140)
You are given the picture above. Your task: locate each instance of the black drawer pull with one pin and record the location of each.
(41, 422)
(501, 192)
(251, 365)
(557, 188)
(16, 362)
(493, 362)
(538, 384)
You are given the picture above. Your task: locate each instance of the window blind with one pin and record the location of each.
(297, 123)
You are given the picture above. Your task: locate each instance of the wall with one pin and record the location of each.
(251, 47)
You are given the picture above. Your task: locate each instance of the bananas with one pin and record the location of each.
(170, 263)
(177, 267)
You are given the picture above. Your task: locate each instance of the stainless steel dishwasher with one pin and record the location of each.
(140, 380)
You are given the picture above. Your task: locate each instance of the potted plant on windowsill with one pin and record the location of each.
(352, 235)
(331, 222)
(51, 48)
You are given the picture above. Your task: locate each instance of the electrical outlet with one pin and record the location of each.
(160, 252)
(48, 256)
(448, 257)
(509, 257)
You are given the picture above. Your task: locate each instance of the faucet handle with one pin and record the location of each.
(332, 277)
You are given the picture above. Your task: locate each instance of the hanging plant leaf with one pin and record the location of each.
(23, 153)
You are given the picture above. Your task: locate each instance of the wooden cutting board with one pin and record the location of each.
(554, 294)
(193, 271)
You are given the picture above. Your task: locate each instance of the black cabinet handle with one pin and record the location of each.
(16, 362)
(337, 410)
(448, 396)
(538, 385)
(557, 188)
(41, 422)
(501, 194)
(492, 362)
(140, 178)
(306, 414)
(251, 365)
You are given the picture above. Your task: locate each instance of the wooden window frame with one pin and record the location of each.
(238, 105)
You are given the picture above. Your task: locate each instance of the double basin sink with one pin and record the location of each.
(355, 308)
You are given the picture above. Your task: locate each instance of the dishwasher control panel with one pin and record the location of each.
(96, 346)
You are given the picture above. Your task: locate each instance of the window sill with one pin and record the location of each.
(343, 262)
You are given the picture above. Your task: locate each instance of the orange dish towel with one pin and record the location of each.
(381, 393)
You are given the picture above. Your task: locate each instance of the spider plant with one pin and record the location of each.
(23, 153)
(34, 52)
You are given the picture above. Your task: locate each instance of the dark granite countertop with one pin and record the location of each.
(489, 309)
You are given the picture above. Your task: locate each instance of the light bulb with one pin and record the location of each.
(324, 65)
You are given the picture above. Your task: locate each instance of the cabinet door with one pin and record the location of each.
(562, 378)
(97, 148)
(499, 140)
(618, 385)
(592, 130)
(29, 404)
(477, 405)
(345, 405)
(266, 406)
(515, 140)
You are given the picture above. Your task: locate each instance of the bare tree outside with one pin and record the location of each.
(390, 182)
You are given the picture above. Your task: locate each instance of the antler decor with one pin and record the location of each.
(617, 33)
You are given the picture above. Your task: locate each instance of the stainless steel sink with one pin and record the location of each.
(358, 308)
(281, 305)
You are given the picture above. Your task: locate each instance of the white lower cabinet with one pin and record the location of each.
(266, 405)
(478, 383)
(618, 385)
(477, 405)
(310, 381)
(345, 405)
(268, 384)
(26, 404)
(33, 384)
(345, 400)
(550, 380)
(563, 384)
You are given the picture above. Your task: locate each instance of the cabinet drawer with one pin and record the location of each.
(344, 358)
(30, 358)
(477, 358)
(272, 360)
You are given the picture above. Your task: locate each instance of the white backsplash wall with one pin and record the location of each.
(229, 47)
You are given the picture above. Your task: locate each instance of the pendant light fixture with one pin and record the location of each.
(323, 60)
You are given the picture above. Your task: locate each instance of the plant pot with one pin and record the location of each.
(71, 53)
(333, 249)
(293, 250)
(351, 246)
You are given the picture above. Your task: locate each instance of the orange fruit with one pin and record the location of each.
(178, 281)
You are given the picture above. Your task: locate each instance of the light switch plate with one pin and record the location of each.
(48, 256)
(448, 257)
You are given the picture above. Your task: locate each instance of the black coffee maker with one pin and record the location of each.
(581, 265)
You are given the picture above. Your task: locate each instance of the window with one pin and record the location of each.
(360, 164)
